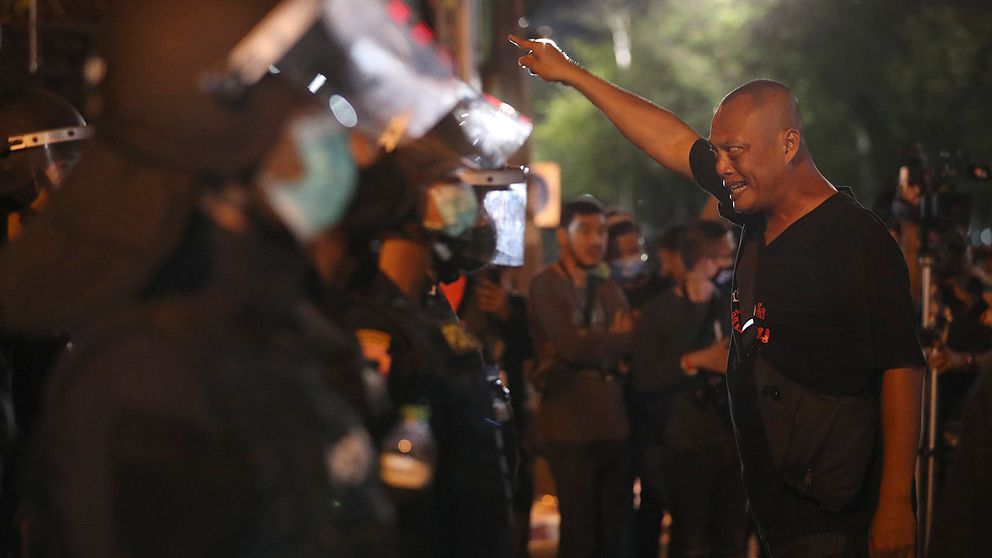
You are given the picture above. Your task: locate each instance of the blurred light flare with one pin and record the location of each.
(318, 81)
(343, 111)
(422, 34)
(399, 11)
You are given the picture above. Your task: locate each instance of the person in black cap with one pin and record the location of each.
(822, 311)
(200, 415)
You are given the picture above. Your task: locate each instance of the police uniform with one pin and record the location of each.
(430, 359)
(203, 422)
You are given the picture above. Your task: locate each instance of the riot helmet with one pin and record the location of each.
(151, 99)
(40, 142)
(164, 136)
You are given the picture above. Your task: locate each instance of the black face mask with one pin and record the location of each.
(465, 254)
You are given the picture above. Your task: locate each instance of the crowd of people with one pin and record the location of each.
(237, 324)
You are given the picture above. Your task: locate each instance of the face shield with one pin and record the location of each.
(379, 71)
(485, 223)
(504, 203)
(39, 160)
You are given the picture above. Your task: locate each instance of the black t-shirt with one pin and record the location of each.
(831, 292)
(829, 301)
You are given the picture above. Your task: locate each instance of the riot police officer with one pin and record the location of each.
(198, 416)
(41, 139)
(411, 335)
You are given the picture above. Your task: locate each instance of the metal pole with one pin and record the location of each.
(33, 37)
(927, 467)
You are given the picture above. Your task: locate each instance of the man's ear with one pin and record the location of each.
(792, 143)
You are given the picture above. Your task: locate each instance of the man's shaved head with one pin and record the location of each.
(773, 98)
(757, 135)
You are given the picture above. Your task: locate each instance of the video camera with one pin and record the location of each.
(931, 194)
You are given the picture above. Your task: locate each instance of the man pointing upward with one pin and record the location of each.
(825, 352)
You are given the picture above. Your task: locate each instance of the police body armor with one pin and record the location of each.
(434, 362)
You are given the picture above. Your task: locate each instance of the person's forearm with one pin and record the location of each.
(901, 400)
(654, 130)
(714, 360)
(592, 348)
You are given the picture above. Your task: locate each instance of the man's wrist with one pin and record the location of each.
(895, 499)
(576, 74)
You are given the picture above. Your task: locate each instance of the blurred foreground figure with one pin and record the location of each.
(199, 415)
(438, 203)
(961, 527)
(824, 350)
(42, 140)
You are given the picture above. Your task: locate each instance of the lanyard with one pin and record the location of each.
(591, 286)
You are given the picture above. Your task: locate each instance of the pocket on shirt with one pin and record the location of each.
(821, 444)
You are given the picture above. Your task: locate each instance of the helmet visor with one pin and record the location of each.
(379, 70)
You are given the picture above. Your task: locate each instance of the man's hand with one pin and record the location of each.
(544, 59)
(712, 358)
(652, 129)
(893, 530)
(623, 322)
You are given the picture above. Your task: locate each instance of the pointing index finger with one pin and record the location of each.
(521, 42)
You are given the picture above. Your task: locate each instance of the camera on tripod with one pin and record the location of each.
(930, 194)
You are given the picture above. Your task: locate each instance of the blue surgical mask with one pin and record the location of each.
(626, 268)
(724, 277)
(318, 199)
(457, 208)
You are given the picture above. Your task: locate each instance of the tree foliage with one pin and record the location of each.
(871, 76)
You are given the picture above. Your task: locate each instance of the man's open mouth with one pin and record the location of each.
(735, 187)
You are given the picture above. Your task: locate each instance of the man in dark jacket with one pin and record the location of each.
(582, 328)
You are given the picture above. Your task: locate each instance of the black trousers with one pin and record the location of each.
(821, 545)
(707, 502)
(595, 492)
(654, 499)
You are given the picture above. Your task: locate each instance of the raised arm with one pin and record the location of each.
(654, 130)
